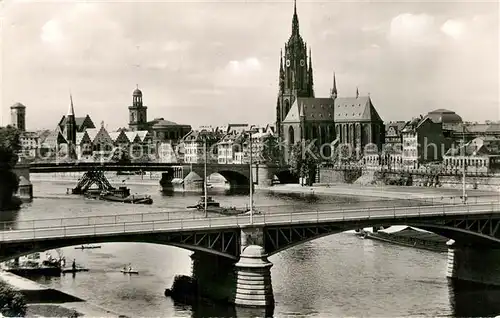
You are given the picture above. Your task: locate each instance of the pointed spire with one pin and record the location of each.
(334, 87)
(282, 73)
(71, 109)
(281, 60)
(311, 79)
(295, 20)
(357, 92)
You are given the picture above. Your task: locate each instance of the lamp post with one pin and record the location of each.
(251, 178)
(205, 175)
(464, 166)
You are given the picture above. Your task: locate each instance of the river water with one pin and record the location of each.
(335, 276)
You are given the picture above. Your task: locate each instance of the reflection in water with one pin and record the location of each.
(474, 300)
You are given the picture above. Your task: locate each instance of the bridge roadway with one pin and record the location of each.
(116, 225)
(47, 167)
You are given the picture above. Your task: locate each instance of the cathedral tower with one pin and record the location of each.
(138, 112)
(295, 74)
(18, 116)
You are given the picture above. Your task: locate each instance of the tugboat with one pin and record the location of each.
(201, 203)
(133, 199)
(122, 194)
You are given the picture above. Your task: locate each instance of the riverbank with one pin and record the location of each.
(439, 195)
(49, 302)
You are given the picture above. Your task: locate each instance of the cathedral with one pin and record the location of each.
(302, 116)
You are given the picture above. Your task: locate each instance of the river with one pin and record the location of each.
(338, 275)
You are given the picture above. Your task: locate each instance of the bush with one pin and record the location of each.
(12, 302)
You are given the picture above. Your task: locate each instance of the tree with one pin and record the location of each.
(9, 147)
(304, 160)
(12, 302)
(271, 153)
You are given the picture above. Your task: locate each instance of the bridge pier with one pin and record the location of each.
(25, 190)
(475, 264)
(246, 283)
(253, 286)
(214, 276)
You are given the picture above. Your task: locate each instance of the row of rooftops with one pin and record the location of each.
(227, 133)
(450, 121)
(480, 146)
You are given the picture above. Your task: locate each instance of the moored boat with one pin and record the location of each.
(132, 199)
(74, 270)
(84, 247)
(129, 271)
(201, 203)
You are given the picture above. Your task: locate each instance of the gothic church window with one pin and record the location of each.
(291, 135)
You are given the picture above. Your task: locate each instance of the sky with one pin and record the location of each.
(216, 62)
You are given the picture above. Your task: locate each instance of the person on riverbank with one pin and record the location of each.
(73, 266)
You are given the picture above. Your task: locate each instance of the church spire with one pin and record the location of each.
(311, 80)
(71, 109)
(282, 73)
(334, 87)
(295, 20)
(357, 92)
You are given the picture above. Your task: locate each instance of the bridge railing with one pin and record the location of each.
(379, 203)
(100, 219)
(110, 226)
(177, 213)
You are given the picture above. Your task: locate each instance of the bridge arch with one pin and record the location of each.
(278, 239)
(235, 178)
(285, 176)
(224, 244)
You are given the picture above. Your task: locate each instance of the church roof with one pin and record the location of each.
(311, 109)
(81, 123)
(355, 109)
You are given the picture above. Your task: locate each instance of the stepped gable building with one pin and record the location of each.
(302, 116)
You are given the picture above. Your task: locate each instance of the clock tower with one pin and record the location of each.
(296, 74)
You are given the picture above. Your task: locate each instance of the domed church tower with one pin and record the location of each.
(138, 118)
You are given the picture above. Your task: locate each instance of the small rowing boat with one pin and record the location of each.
(129, 271)
(84, 247)
(74, 270)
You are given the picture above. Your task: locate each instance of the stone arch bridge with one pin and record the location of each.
(235, 174)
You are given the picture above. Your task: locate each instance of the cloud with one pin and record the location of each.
(453, 28)
(409, 29)
(240, 73)
(51, 32)
(251, 64)
(176, 46)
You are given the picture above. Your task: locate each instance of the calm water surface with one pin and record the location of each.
(336, 276)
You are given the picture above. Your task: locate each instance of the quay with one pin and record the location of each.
(49, 302)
